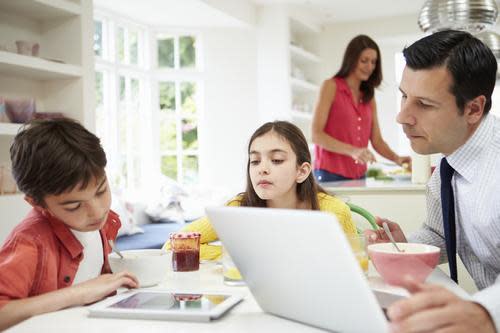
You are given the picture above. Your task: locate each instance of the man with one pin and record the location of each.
(446, 96)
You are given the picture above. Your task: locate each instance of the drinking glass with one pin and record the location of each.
(358, 246)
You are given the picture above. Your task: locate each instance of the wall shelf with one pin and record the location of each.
(301, 55)
(302, 85)
(9, 128)
(36, 68)
(41, 9)
(301, 115)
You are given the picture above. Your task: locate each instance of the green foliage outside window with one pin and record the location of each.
(187, 52)
(166, 53)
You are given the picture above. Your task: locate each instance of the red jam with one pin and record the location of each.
(186, 261)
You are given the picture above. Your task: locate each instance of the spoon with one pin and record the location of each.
(388, 232)
(114, 248)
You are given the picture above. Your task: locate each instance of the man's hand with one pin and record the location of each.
(379, 236)
(96, 289)
(432, 308)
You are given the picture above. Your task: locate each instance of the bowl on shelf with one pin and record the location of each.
(20, 110)
(27, 48)
(3, 114)
(415, 260)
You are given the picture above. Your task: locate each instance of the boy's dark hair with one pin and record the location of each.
(471, 64)
(351, 56)
(307, 191)
(50, 157)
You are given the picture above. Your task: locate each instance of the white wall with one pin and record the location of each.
(230, 114)
(391, 35)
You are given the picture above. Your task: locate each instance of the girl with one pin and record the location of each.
(278, 176)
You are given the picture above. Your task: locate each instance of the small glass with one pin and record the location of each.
(232, 276)
(358, 245)
(185, 251)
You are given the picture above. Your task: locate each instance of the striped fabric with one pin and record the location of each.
(476, 185)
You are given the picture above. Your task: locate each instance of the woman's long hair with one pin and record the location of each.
(351, 56)
(307, 191)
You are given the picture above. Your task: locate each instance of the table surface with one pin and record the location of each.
(245, 317)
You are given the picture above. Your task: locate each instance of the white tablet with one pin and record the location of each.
(165, 305)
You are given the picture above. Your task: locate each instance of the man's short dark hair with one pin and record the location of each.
(471, 63)
(50, 157)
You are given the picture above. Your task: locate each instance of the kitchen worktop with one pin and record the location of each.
(373, 185)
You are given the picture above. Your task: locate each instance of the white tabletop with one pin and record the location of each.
(245, 317)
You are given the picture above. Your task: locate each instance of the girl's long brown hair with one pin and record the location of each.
(307, 191)
(351, 56)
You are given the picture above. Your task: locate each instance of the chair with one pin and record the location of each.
(365, 214)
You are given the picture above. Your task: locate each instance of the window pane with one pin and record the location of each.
(134, 47)
(166, 53)
(137, 172)
(188, 98)
(99, 88)
(168, 134)
(190, 169)
(98, 38)
(167, 96)
(122, 88)
(189, 134)
(134, 87)
(187, 51)
(169, 166)
(120, 41)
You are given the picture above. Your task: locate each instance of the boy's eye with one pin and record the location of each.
(100, 193)
(72, 209)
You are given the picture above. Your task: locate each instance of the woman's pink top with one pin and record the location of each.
(347, 122)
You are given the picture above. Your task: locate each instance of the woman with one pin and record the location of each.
(345, 119)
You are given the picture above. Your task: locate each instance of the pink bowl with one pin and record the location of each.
(417, 261)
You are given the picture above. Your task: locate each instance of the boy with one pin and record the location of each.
(55, 257)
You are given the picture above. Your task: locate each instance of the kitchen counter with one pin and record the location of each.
(373, 185)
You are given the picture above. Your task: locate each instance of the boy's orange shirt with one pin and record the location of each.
(41, 255)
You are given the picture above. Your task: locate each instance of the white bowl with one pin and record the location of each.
(149, 266)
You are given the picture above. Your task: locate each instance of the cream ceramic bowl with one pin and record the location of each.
(417, 261)
(150, 266)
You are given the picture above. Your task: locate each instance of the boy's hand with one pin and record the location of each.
(379, 236)
(96, 289)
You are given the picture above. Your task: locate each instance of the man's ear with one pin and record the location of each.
(35, 205)
(474, 109)
(303, 172)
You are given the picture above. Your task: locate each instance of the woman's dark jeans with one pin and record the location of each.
(323, 176)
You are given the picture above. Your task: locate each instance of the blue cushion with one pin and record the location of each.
(154, 236)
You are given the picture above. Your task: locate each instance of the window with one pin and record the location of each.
(178, 91)
(146, 132)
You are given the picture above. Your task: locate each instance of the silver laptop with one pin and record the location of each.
(298, 265)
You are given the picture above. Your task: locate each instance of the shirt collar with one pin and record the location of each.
(65, 236)
(465, 159)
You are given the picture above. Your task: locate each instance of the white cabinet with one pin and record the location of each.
(60, 78)
(288, 66)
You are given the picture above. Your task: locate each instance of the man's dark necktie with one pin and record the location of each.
(448, 207)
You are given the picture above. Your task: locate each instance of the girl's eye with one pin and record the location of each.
(254, 162)
(276, 161)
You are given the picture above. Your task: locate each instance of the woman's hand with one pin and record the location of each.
(362, 155)
(404, 161)
(96, 289)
